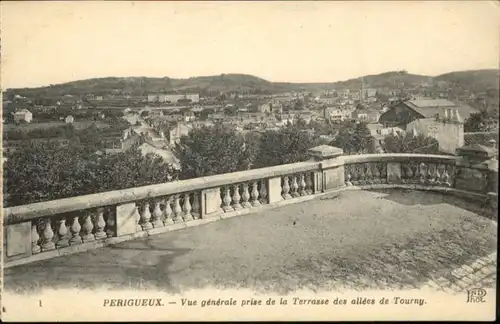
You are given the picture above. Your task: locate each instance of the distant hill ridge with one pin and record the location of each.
(477, 80)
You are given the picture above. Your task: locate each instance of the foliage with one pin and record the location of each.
(213, 150)
(287, 145)
(65, 130)
(409, 143)
(354, 138)
(475, 122)
(93, 137)
(37, 174)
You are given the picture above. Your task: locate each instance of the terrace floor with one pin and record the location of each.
(391, 239)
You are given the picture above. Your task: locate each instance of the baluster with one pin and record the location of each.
(302, 185)
(87, 228)
(445, 178)
(423, 173)
(453, 175)
(416, 173)
(309, 183)
(186, 208)
(245, 197)
(196, 211)
(362, 173)
(177, 208)
(369, 175)
(100, 224)
(376, 173)
(62, 233)
(294, 187)
(236, 197)
(430, 174)
(35, 248)
(138, 219)
(167, 212)
(383, 172)
(255, 194)
(404, 173)
(47, 236)
(263, 192)
(347, 175)
(409, 174)
(437, 175)
(110, 224)
(157, 214)
(146, 217)
(286, 188)
(226, 201)
(75, 231)
(354, 174)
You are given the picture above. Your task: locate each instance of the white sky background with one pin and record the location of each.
(52, 42)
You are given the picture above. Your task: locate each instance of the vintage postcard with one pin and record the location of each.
(284, 160)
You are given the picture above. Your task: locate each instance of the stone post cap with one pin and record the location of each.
(477, 151)
(324, 152)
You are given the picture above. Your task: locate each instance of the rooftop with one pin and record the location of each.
(394, 238)
(430, 107)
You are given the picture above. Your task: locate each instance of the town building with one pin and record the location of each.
(23, 115)
(446, 128)
(69, 119)
(174, 132)
(174, 98)
(404, 112)
(334, 114)
(366, 115)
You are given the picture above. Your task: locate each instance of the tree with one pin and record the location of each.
(475, 122)
(409, 143)
(144, 113)
(37, 173)
(213, 150)
(287, 145)
(354, 138)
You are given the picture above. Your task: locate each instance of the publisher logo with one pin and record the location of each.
(476, 295)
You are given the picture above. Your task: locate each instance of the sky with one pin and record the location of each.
(53, 42)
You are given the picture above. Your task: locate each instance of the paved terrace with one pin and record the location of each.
(352, 239)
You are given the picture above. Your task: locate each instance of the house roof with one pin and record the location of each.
(167, 155)
(430, 107)
(22, 111)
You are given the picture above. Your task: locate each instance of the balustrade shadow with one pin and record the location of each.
(138, 264)
(411, 197)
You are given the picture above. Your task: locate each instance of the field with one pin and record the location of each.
(46, 125)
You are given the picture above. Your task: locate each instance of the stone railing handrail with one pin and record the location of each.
(394, 157)
(22, 213)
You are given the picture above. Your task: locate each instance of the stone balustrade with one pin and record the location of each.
(54, 228)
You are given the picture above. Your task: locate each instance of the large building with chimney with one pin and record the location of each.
(405, 112)
(174, 98)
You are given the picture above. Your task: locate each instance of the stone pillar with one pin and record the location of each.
(274, 189)
(394, 173)
(479, 169)
(331, 173)
(210, 202)
(17, 240)
(126, 221)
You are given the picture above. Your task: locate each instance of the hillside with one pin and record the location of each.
(390, 80)
(143, 85)
(477, 81)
